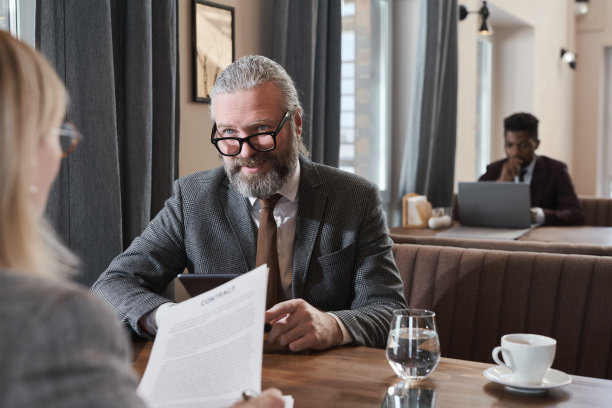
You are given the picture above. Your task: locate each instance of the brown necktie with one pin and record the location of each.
(266, 248)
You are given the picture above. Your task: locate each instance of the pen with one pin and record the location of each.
(248, 394)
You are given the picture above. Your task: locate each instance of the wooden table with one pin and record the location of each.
(568, 235)
(360, 377)
(572, 235)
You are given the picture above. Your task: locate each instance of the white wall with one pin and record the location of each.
(552, 90)
(513, 71)
(253, 35)
(594, 34)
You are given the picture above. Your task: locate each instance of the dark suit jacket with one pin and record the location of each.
(342, 260)
(551, 189)
(61, 347)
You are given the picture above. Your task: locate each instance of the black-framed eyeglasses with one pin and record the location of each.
(261, 142)
(69, 138)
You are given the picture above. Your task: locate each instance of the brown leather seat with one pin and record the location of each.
(479, 295)
(597, 211)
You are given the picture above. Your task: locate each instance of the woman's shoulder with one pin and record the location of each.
(35, 303)
(32, 284)
(39, 293)
(58, 326)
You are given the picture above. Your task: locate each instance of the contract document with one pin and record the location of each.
(208, 349)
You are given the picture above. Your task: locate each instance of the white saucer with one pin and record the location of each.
(503, 375)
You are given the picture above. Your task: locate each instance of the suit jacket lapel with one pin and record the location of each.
(238, 216)
(538, 178)
(311, 205)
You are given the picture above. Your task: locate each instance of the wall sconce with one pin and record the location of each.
(485, 27)
(581, 7)
(569, 57)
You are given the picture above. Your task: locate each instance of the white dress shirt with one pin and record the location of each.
(539, 212)
(529, 173)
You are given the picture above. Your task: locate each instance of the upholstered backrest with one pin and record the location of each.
(506, 245)
(479, 295)
(597, 211)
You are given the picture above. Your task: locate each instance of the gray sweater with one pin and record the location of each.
(60, 347)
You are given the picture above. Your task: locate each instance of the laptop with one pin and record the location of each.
(494, 204)
(198, 283)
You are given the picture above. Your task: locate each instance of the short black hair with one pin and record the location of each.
(522, 122)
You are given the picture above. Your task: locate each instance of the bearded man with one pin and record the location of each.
(337, 279)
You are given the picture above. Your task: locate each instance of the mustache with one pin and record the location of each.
(250, 162)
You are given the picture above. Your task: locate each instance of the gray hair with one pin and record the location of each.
(251, 71)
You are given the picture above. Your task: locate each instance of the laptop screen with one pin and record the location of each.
(494, 204)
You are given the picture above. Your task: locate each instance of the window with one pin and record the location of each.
(8, 17)
(365, 90)
(483, 106)
(18, 17)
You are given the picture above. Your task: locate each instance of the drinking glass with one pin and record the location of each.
(413, 347)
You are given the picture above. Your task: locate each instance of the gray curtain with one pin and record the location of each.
(307, 43)
(119, 62)
(428, 164)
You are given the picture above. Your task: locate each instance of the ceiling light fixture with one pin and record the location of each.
(485, 27)
(581, 7)
(569, 57)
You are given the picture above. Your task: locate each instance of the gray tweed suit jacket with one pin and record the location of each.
(342, 260)
(61, 347)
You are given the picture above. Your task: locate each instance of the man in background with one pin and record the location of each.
(553, 199)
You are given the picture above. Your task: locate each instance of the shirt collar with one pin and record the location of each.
(531, 165)
(290, 188)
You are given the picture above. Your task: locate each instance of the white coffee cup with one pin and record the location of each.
(528, 356)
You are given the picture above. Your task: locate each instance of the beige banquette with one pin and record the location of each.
(481, 294)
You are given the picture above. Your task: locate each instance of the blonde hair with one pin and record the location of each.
(32, 101)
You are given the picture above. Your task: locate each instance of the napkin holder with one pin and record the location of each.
(416, 211)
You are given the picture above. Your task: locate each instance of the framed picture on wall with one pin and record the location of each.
(213, 45)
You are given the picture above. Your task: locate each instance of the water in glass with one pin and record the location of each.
(413, 347)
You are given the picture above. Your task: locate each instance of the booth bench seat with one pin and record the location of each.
(481, 294)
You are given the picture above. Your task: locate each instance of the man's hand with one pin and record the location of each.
(270, 398)
(301, 326)
(511, 168)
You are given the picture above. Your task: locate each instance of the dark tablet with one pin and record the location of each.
(198, 283)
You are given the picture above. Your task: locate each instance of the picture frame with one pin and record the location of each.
(213, 45)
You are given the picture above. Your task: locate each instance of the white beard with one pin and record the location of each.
(264, 185)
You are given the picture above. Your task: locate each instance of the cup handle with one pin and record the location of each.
(495, 355)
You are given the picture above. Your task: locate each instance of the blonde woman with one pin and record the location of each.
(59, 345)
